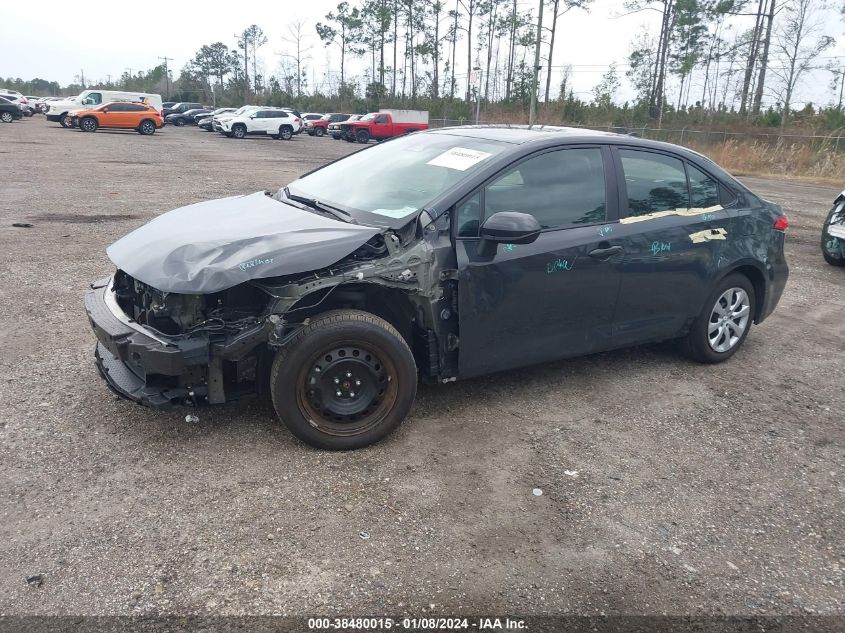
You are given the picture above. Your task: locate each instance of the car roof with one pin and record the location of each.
(549, 134)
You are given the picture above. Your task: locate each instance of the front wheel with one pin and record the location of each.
(88, 124)
(833, 248)
(725, 321)
(362, 136)
(345, 381)
(319, 131)
(179, 123)
(6, 117)
(239, 131)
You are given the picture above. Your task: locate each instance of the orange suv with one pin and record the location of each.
(127, 115)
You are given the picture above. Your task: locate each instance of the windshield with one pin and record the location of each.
(393, 181)
(369, 117)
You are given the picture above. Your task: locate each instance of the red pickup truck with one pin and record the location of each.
(385, 124)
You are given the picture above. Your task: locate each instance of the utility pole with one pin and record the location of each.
(128, 70)
(532, 113)
(166, 75)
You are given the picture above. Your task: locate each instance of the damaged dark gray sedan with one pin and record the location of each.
(436, 256)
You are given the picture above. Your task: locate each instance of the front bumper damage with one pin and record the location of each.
(160, 371)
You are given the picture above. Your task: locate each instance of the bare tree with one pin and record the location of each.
(296, 37)
(798, 43)
(559, 8)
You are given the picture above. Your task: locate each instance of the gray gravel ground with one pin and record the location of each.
(669, 487)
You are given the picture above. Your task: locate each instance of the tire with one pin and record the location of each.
(239, 131)
(88, 124)
(63, 120)
(6, 117)
(833, 248)
(337, 352)
(147, 127)
(716, 335)
(349, 138)
(362, 136)
(285, 132)
(179, 123)
(318, 132)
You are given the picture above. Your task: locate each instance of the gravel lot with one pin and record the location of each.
(668, 487)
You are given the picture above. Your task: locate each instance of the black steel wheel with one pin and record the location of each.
(345, 381)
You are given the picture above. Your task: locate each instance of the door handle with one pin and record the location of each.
(604, 253)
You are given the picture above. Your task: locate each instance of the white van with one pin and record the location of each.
(57, 110)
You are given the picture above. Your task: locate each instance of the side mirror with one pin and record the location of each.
(251, 116)
(507, 227)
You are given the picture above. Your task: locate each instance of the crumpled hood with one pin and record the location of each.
(214, 245)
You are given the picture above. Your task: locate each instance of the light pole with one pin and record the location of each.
(477, 71)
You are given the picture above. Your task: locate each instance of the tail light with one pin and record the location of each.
(781, 223)
(24, 100)
(298, 120)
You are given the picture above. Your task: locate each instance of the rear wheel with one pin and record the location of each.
(239, 131)
(725, 321)
(179, 123)
(285, 132)
(362, 136)
(88, 124)
(319, 131)
(833, 248)
(147, 127)
(346, 380)
(6, 117)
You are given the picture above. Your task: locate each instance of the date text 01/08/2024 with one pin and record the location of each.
(415, 624)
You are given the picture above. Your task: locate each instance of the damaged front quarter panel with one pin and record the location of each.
(192, 338)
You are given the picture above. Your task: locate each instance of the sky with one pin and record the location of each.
(51, 41)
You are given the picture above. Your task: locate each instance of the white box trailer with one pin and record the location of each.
(407, 116)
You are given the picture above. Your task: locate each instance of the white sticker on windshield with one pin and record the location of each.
(458, 158)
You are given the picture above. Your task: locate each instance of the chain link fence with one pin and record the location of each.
(835, 141)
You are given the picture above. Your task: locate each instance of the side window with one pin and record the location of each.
(95, 98)
(117, 107)
(261, 114)
(136, 108)
(655, 182)
(381, 118)
(703, 190)
(280, 114)
(560, 188)
(468, 216)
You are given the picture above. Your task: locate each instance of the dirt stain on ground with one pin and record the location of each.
(80, 218)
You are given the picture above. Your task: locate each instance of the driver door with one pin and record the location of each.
(555, 297)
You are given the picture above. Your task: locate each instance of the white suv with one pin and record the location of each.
(273, 122)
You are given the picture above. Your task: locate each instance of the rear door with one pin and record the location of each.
(673, 229)
(553, 298)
